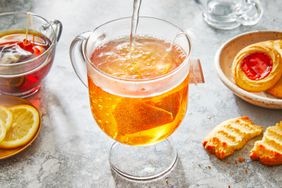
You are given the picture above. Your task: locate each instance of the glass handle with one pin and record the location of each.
(58, 27)
(196, 72)
(186, 37)
(250, 12)
(195, 69)
(77, 48)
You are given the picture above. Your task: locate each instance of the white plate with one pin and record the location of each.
(224, 59)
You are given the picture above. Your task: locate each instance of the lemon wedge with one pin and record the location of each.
(6, 117)
(24, 126)
(2, 130)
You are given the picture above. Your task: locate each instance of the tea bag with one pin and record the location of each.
(13, 54)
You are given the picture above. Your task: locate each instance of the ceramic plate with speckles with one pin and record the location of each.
(224, 59)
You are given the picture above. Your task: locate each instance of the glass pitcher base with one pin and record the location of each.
(143, 163)
(220, 24)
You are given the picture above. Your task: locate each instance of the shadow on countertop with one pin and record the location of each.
(259, 115)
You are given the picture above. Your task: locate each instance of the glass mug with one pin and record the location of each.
(138, 113)
(229, 14)
(23, 78)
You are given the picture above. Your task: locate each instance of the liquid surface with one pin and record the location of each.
(149, 58)
(138, 121)
(257, 65)
(18, 47)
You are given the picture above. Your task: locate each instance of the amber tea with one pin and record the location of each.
(129, 118)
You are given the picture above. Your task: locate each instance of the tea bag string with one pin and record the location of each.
(28, 25)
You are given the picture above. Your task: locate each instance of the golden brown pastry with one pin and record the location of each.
(258, 67)
(269, 150)
(230, 135)
(276, 90)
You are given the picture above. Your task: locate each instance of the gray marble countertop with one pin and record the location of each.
(72, 151)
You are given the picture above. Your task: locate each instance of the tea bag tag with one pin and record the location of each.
(196, 72)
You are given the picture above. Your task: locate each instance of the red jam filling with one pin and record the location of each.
(257, 65)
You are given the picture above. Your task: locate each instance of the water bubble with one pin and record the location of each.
(100, 107)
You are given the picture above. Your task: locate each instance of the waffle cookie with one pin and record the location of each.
(230, 135)
(269, 150)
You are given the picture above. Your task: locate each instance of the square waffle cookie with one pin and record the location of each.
(230, 135)
(269, 150)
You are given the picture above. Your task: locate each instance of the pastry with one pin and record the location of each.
(269, 150)
(230, 135)
(276, 90)
(258, 67)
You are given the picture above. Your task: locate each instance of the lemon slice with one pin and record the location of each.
(2, 130)
(25, 124)
(6, 117)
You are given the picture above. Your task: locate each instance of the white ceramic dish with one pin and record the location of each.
(224, 59)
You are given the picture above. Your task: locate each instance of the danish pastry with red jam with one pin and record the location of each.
(258, 67)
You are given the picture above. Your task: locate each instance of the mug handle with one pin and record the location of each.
(77, 47)
(195, 67)
(58, 27)
(249, 13)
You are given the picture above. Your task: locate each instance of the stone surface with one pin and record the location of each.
(72, 151)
